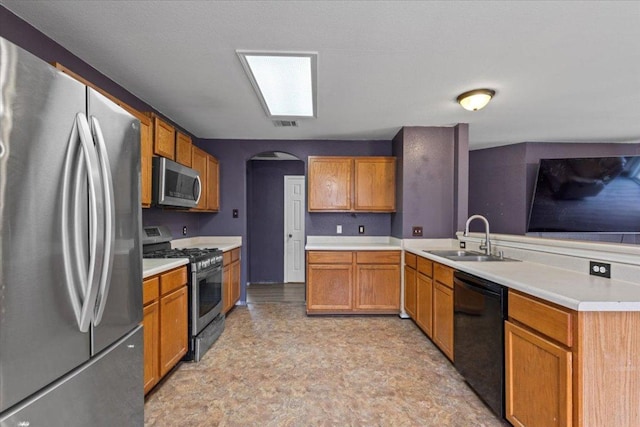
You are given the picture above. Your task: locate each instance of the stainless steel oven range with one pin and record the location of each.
(206, 321)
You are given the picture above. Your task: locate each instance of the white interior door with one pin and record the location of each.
(294, 197)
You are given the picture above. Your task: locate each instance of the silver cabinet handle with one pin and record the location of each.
(109, 220)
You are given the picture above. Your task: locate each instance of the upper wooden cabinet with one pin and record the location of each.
(348, 184)
(213, 186)
(209, 170)
(183, 149)
(164, 137)
(199, 163)
(375, 184)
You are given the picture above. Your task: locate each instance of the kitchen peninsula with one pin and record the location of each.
(577, 334)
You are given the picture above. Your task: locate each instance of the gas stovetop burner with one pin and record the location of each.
(181, 253)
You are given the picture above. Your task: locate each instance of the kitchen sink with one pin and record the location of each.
(448, 253)
(455, 255)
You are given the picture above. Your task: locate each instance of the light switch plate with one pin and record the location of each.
(338, 229)
(361, 229)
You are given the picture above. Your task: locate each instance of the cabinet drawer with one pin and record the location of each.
(235, 254)
(173, 280)
(150, 290)
(549, 320)
(443, 274)
(425, 266)
(335, 257)
(378, 257)
(226, 258)
(410, 260)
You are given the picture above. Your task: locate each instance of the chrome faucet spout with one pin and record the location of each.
(487, 246)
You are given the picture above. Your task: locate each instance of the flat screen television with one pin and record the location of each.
(597, 194)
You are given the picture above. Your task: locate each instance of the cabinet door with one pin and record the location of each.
(443, 318)
(151, 328)
(424, 304)
(213, 187)
(377, 287)
(173, 329)
(199, 163)
(164, 139)
(329, 183)
(329, 287)
(183, 149)
(375, 184)
(226, 288)
(410, 291)
(146, 155)
(235, 282)
(538, 380)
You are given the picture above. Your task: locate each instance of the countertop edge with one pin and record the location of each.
(156, 266)
(563, 300)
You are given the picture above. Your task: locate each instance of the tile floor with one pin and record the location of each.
(275, 366)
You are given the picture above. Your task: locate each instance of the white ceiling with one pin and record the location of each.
(563, 71)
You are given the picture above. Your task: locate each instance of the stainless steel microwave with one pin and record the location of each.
(174, 184)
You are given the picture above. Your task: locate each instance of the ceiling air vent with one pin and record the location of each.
(285, 123)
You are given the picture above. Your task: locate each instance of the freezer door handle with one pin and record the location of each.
(81, 165)
(109, 222)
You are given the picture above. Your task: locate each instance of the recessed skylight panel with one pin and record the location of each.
(285, 83)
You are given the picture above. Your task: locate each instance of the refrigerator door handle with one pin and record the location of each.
(84, 304)
(199, 189)
(110, 220)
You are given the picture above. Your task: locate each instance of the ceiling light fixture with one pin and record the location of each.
(476, 99)
(285, 82)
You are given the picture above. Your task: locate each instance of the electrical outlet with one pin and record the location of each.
(463, 245)
(601, 269)
(184, 230)
(338, 229)
(235, 213)
(416, 231)
(361, 229)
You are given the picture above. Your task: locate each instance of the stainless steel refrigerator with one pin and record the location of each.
(70, 254)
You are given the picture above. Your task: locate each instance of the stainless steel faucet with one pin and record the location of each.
(487, 245)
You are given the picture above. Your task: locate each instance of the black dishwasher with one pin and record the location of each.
(480, 308)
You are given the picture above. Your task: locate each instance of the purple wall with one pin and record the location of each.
(265, 230)
(502, 180)
(432, 184)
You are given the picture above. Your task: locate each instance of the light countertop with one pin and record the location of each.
(571, 289)
(353, 243)
(153, 266)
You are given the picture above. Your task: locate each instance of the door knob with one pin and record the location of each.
(290, 235)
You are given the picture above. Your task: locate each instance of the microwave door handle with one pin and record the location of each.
(96, 222)
(109, 222)
(199, 189)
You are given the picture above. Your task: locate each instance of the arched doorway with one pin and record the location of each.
(266, 238)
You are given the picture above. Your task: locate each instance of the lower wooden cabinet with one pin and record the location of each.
(538, 363)
(151, 330)
(231, 279)
(173, 328)
(424, 304)
(433, 313)
(443, 318)
(538, 380)
(353, 282)
(410, 291)
(165, 322)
